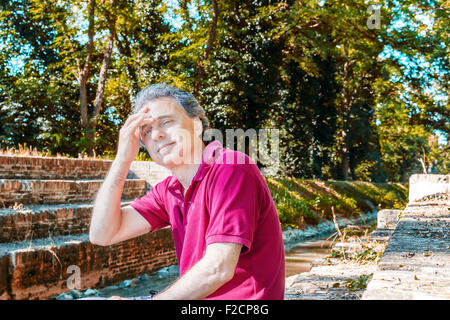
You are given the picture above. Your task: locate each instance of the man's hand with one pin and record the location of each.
(129, 144)
(109, 222)
(211, 272)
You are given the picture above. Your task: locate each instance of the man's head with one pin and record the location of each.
(179, 123)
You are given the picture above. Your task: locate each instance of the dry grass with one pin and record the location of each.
(26, 151)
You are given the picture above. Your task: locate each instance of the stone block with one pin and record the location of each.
(149, 171)
(44, 168)
(388, 219)
(415, 264)
(428, 186)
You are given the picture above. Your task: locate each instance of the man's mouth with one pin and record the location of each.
(165, 146)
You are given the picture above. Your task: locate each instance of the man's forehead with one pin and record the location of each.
(162, 105)
(161, 117)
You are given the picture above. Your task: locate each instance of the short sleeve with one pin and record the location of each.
(233, 205)
(152, 208)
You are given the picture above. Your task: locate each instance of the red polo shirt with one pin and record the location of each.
(227, 201)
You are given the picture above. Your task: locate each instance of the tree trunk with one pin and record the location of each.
(345, 156)
(89, 122)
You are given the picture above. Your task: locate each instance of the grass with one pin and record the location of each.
(26, 151)
(302, 202)
(359, 283)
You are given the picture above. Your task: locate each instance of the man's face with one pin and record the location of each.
(171, 137)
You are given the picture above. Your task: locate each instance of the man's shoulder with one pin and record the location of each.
(234, 158)
(161, 187)
(232, 164)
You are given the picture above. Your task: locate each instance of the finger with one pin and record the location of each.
(131, 119)
(144, 119)
(136, 124)
(140, 128)
(133, 122)
(144, 109)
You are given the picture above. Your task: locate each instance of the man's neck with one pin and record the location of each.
(186, 172)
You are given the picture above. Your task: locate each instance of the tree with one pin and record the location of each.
(80, 57)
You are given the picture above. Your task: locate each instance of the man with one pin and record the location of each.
(225, 226)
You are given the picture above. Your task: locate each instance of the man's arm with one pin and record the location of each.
(210, 273)
(109, 223)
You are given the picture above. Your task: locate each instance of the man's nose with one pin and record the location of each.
(157, 134)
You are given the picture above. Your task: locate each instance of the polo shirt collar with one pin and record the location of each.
(210, 154)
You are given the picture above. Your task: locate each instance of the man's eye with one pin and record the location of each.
(147, 131)
(166, 122)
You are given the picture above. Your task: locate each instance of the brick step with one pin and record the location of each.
(42, 221)
(40, 269)
(59, 191)
(18, 167)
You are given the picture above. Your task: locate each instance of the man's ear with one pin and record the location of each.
(198, 127)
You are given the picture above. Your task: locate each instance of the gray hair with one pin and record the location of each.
(184, 99)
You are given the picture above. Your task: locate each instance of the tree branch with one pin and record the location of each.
(98, 102)
(87, 66)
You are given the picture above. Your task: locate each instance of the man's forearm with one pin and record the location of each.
(197, 283)
(106, 211)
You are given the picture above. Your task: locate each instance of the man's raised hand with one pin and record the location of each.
(128, 147)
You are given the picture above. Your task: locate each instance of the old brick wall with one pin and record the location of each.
(20, 167)
(45, 211)
(42, 273)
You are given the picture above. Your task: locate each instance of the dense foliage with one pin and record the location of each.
(300, 202)
(357, 91)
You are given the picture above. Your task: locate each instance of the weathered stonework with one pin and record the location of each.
(388, 219)
(414, 265)
(425, 187)
(416, 262)
(42, 221)
(17, 167)
(148, 171)
(59, 191)
(40, 272)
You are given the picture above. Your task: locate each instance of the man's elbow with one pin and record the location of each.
(222, 272)
(98, 241)
(228, 275)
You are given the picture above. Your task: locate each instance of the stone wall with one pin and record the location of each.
(428, 187)
(45, 211)
(415, 264)
(148, 171)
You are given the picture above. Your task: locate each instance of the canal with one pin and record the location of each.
(300, 258)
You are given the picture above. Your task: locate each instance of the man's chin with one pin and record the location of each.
(168, 160)
(172, 160)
